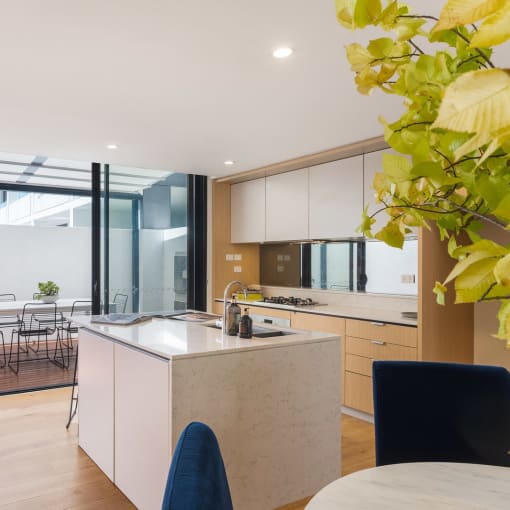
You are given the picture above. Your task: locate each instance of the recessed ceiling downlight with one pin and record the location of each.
(112, 146)
(283, 52)
(229, 162)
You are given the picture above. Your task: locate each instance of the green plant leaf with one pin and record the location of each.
(397, 167)
(472, 284)
(439, 290)
(359, 57)
(366, 225)
(344, 12)
(502, 271)
(477, 102)
(504, 321)
(391, 235)
(463, 12)
(366, 12)
(469, 255)
(494, 30)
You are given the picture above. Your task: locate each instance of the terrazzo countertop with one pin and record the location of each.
(173, 339)
(348, 312)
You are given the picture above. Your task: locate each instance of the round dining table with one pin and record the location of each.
(416, 486)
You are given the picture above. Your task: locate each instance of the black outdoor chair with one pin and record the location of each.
(38, 320)
(83, 307)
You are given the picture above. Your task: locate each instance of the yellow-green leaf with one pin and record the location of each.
(344, 12)
(474, 253)
(504, 321)
(359, 57)
(397, 167)
(463, 12)
(366, 12)
(439, 290)
(503, 209)
(502, 271)
(475, 281)
(477, 102)
(391, 235)
(366, 225)
(494, 30)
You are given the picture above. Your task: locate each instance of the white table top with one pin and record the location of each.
(417, 486)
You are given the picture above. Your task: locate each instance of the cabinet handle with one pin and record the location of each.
(377, 323)
(377, 342)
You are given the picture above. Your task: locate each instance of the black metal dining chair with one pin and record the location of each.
(7, 297)
(38, 320)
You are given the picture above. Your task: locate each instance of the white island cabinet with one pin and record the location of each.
(274, 404)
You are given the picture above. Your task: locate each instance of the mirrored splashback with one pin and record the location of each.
(359, 265)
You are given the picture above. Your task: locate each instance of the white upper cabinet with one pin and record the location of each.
(287, 206)
(247, 211)
(336, 198)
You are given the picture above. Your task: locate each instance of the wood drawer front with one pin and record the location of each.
(358, 364)
(391, 333)
(270, 312)
(358, 392)
(317, 322)
(376, 349)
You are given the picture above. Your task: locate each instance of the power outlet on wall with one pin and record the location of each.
(407, 278)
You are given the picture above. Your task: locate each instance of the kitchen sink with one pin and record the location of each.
(258, 332)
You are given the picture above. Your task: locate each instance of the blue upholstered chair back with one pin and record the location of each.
(197, 478)
(441, 412)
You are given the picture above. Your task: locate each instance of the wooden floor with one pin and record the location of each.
(42, 468)
(35, 374)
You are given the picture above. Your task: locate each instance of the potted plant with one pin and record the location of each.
(48, 291)
(453, 137)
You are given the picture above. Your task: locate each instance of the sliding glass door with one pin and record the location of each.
(145, 240)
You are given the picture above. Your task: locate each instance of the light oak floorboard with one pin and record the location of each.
(42, 466)
(44, 469)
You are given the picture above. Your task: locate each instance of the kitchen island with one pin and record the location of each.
(274, 404)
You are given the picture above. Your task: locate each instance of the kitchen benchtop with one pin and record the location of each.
(175, 339)
(348, 312)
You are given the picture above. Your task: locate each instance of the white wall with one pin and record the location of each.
(385, 265)
(157, 251)
(29, 255)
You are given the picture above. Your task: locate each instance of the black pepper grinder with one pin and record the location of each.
(245, 325)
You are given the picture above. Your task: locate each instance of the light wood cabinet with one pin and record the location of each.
(336, 198)
(248, 212)
(287, 206)
(365, 342)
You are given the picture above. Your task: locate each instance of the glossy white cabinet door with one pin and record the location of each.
(248, 212)
(96, 421)
(142, 437)
(336, 198)
(287, 206)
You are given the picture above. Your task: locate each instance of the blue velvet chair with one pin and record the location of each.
(197, 478)
(447, 412)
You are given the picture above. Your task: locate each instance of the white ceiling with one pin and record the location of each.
(180, 85)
